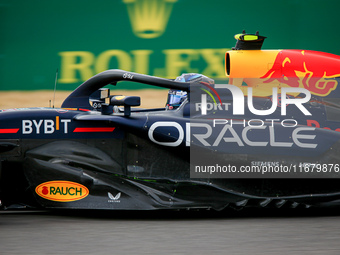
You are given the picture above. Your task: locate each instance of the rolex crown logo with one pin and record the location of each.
(149, 17)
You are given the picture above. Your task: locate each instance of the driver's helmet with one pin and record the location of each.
(177, 97)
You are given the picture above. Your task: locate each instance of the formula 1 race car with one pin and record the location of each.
(268, 138)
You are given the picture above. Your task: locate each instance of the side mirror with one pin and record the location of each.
(126, 101)
(101, 100)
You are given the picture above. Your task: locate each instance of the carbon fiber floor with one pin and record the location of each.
(248, 232)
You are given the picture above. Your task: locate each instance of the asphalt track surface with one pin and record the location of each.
(247, 232)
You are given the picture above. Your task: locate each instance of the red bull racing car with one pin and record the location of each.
(269, 137)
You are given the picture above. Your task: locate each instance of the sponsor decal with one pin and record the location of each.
(45, 126)
(305, 69)
(114, 199)
(62, 191)
(300, 136)
(50, 126)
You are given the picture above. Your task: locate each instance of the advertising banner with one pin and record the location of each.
(162, 38)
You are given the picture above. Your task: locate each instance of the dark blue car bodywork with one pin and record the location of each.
(139, 159)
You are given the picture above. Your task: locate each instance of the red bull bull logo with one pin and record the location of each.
(315, 71)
